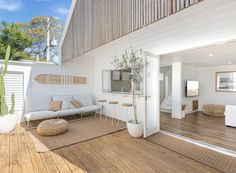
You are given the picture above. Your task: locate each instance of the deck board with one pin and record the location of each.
(5, 154)
(49, 164)
(203, 155)
(26, 162)
(15, 162)
(59, 161)
(71, 163)
(35, 157)
(116, 152)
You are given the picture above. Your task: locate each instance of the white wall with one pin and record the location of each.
(177, 90)
(164, 71)
(208, 95)
(34, 89)
(189, 72)
(38, 90)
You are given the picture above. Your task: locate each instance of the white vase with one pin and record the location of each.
(135, 129)
(8, 123)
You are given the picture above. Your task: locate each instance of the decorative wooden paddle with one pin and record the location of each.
(54, 79)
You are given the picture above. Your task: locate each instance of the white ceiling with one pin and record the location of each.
(217, 55)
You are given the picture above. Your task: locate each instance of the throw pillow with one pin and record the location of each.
(55, 105)
(77, 103)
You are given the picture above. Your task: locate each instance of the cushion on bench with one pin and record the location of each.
(40, 115)
(67, 112)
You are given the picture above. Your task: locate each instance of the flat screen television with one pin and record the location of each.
(192, 88)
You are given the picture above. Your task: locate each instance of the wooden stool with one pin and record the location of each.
(127, 106)
(102, 102)
(114, 103)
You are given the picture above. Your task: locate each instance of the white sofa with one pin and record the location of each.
(38, 108)
(230, 115)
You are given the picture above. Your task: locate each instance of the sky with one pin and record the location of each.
(25, 10)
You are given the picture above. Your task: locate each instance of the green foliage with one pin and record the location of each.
(3, 105)
(22, 55)
(13, 35)
(37, 30)
(131, 62)
(28, 40)
(12, 110)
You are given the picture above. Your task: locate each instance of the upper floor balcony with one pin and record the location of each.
(93, 23)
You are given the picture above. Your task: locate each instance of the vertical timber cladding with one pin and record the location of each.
(97, 22)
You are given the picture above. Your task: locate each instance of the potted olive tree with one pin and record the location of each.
(132, 63)
(8, 119)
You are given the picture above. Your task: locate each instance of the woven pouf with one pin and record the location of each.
(213, 109)
(52, 127)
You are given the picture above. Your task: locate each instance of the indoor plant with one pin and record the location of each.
(8, 119)
(132, 62)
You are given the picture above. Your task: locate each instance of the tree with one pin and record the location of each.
(37, 29)
(131, 62)
(14, 36)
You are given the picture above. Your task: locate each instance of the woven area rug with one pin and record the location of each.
(78, 131)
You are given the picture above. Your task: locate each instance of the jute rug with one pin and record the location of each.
(78, 131)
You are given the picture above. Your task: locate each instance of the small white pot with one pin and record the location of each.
(8, 123)
(135, 130)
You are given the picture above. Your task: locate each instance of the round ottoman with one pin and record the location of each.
(213, 109)
(52, 127)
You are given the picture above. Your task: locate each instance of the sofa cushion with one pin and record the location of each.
(66, 101)
(55, 105)
(85, 99)
(68, 112)
(90, 108)
(77, 103)
(40, 115)
(37, 104)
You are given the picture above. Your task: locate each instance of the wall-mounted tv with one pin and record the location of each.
(192, 88)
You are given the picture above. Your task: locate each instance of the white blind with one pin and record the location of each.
(14, 84)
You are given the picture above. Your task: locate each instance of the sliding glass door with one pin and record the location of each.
(152, 94)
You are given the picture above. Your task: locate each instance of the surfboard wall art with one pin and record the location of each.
(55, 79)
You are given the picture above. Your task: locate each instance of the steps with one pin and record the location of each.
(166, 105)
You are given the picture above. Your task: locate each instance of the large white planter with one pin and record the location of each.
(8, 123)
(135, 130)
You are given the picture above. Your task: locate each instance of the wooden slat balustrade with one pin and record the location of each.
(97, 22)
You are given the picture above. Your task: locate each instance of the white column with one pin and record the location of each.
(176, 90)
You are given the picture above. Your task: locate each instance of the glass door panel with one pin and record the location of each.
(152, 99)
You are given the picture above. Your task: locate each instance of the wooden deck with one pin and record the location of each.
(201, 127)
(117, 152)
(222, 162)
